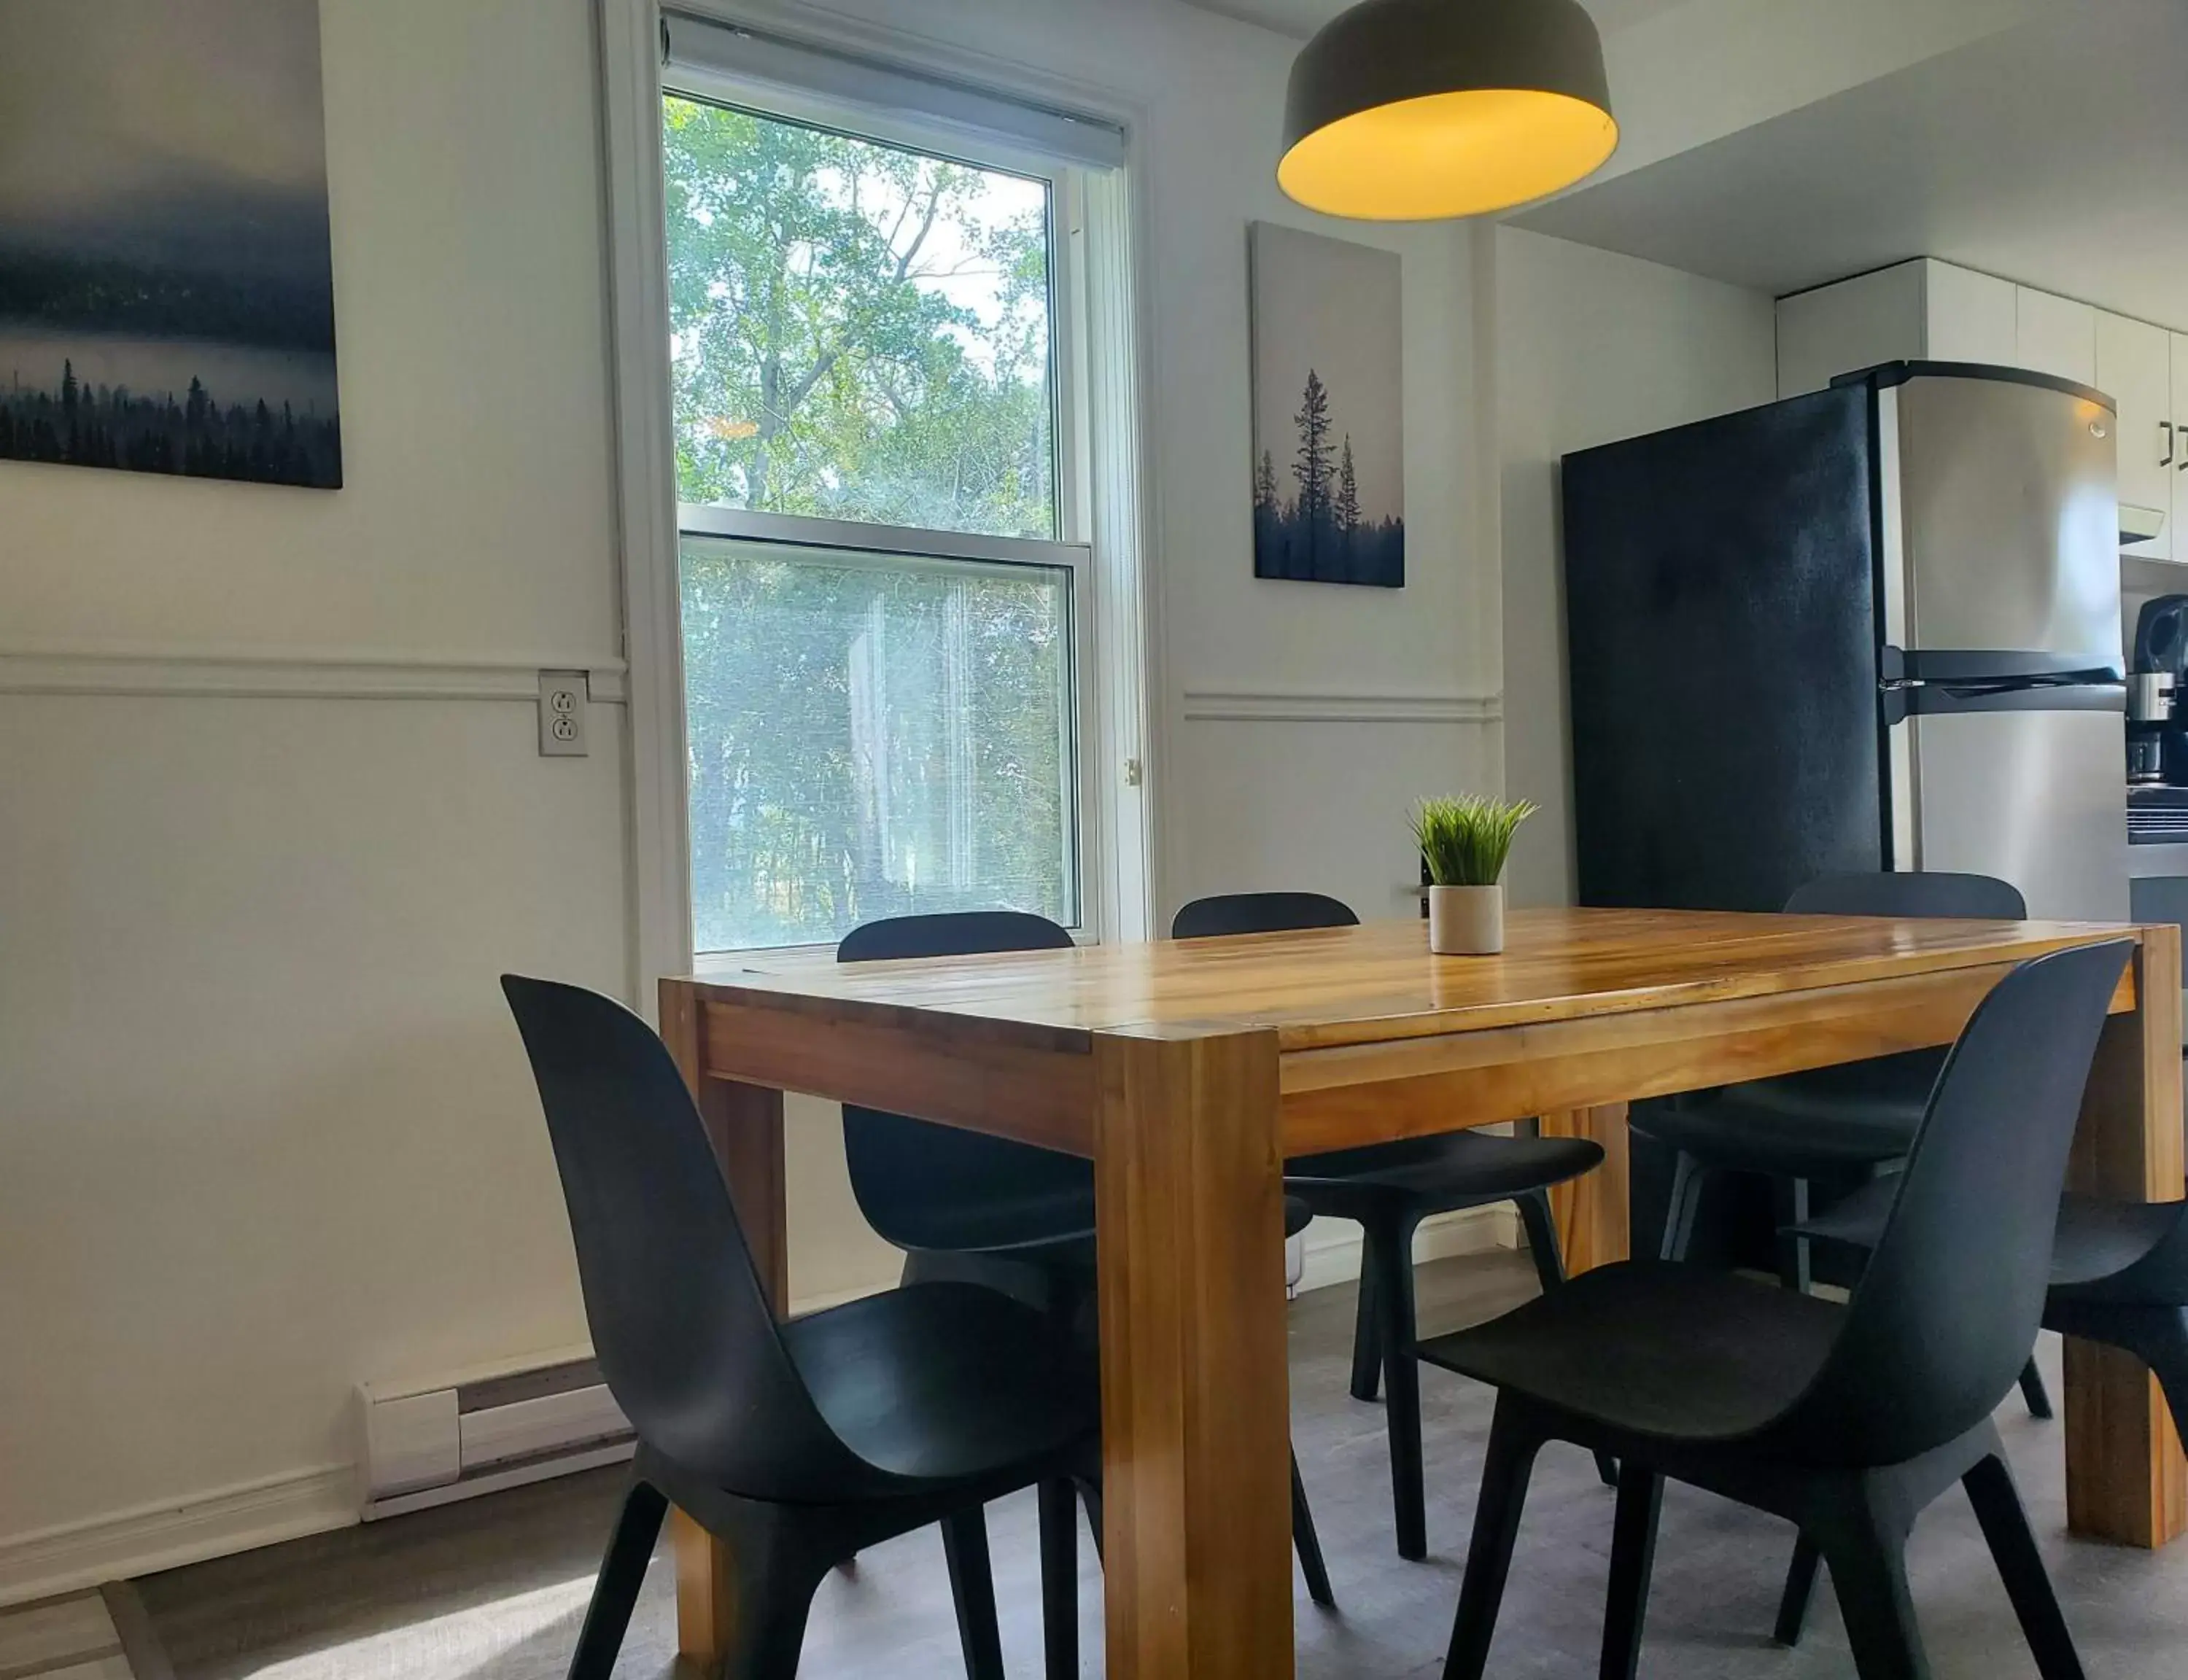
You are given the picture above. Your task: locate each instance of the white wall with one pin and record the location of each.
(267, 1132)
(1591, 346)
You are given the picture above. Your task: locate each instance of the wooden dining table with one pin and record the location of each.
(1188, 1071)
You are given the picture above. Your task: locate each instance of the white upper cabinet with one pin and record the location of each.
(1920, 311)
(2056, 335)
(2179, 468)
(1968, 316)
(1856, 324)
(2132, 370)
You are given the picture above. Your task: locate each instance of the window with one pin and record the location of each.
(880, 478)
(860, 335)
(882, 621)
(858, 330)
(874, 733)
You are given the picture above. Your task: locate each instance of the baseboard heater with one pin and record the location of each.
(424, 1444)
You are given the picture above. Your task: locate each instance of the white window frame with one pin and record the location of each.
(1104, 471)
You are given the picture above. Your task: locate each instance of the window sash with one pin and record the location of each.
(1069, 466)
(799, 530)
(883, 548)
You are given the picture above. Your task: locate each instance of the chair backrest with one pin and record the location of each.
(680, 1322)
(901, 1168)
(1897, 892)
(1942, 1321)
(1259, 913)
(1909, 893)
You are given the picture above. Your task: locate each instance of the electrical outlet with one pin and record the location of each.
(563, 697)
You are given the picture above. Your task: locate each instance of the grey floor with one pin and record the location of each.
(494, 1589)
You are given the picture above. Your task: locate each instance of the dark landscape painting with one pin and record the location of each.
(166, 285)
(1330, 470)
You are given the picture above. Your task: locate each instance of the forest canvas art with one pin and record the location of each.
(1329, 489)
(166, 279)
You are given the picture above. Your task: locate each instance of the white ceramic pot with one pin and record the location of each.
(1466, 920)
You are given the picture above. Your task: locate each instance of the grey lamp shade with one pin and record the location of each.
(1409, 110)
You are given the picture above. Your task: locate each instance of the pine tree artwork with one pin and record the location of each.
(1327, 403)
(172, 311)
(1348, 494)
(1312, 469)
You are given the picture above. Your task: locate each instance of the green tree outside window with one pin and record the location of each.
(862, 332)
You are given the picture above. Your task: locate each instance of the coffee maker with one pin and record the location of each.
(2156, 718)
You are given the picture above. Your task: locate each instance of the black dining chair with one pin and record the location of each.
(1828, 1125)
(983, 1209)
(1846, 1420)
(1388, 1189)
(2119, 1276)
(799, 1442)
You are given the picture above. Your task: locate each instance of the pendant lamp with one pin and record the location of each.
(1404, 110)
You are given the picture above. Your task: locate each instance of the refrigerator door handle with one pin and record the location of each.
(1907, 700)
(1999, 665)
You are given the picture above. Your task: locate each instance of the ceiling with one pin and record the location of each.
(1303, 17)
(2055, 153)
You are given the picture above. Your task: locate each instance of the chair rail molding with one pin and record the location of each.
(192, 672)
(1334, 705)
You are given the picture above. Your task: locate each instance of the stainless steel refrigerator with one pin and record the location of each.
(1876, 627)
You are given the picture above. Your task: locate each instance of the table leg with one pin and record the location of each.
(744, 1125)
(2126, 1479)
(1593, 1211)
(1195, 1415)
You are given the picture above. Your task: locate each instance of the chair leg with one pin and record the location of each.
(1542, 1229)
(1090, 1495)
(2013, 1548)
(973, 1589)
(775, 1580)
(1308, 1544)
(1393, 1249)
(1795, 1266)
(1800, 1589)
(1542, 1226)
(2032, 1392)
(2167, 1352)
(1305, 1540)
(1632, 1555)
(1689, 1178)
(1059, 1580)
(1504, 1473)
(623, 1572)
(1866, 1552)
(1367, 1345)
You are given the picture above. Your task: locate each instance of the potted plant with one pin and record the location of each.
(1465, 842)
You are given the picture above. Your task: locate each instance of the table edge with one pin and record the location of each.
(1433, 1022)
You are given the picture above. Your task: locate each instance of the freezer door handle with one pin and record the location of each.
(1998, 665)
(1907, 700)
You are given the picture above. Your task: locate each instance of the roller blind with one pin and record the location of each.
(700, 51)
